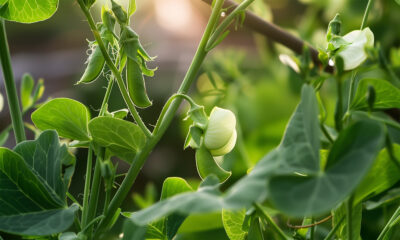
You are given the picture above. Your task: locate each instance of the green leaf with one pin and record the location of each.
(205, 199)
(32, 186)
(47, 159)
(387, 95)
(26, 89)
(171, 187)
(124, 139)
(201, 222)
(27, 11)
(133, 231)
(384, 173)
(68, 117)
(392, 195)
(206, 165)
(132, 7)
(233, 224)
(350, 159)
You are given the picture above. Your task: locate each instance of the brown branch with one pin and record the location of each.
(275, 33)
(309, 225)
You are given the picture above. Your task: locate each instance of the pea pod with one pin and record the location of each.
(95, 66)
(136, 85)
(119, 12)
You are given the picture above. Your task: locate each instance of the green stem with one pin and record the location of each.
(366, 13)
(349, 217)
(114, 70)
(389, 224)
(226, 22)
(326, 133)
(86, 191)
(339, 105)
(351, 90)
(334, 229)
(11, 90)
(164, 122)
(271, 222)
(94, 194)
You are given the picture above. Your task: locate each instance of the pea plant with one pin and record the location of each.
(318, 173)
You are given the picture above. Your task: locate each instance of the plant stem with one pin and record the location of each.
(114, 70)
(86, 190)
(351, 89)
(366, 13)
(11, 90)
(334, 229)
(94, 194)
(271, 222)
(326, 133)
(339, 105)
(349, 217)
(226, 22)
(164, 122)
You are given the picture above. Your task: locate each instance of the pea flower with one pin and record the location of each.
(353, 53)
(220, 134)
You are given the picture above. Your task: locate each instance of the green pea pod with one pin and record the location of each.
(119, 12)
(206, 165)
(95, 66)
(136, 85)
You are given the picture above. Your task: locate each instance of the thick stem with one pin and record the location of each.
(114, 70)
(164, 122)
(11, 90)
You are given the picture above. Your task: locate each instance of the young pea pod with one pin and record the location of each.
(95, 66)
(108, 19)
(119, 12)
(136, 85)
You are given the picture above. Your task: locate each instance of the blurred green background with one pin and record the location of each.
(249, 79)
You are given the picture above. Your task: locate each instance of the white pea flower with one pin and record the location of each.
(1, 102)
(354, 53)
(220, 134)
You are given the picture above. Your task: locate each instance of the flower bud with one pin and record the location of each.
(354, 53)
(220, 135)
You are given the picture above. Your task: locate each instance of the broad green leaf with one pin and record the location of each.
(26, 89)
(27, 11)
(124, 139)
(47, 159)
(233, 224)
(201, 222)
(350, 159)
(384, 173)
(387, 95)
(68, 117)
(132, 231)
(205, 199)
(298, 152)
(31, 187)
